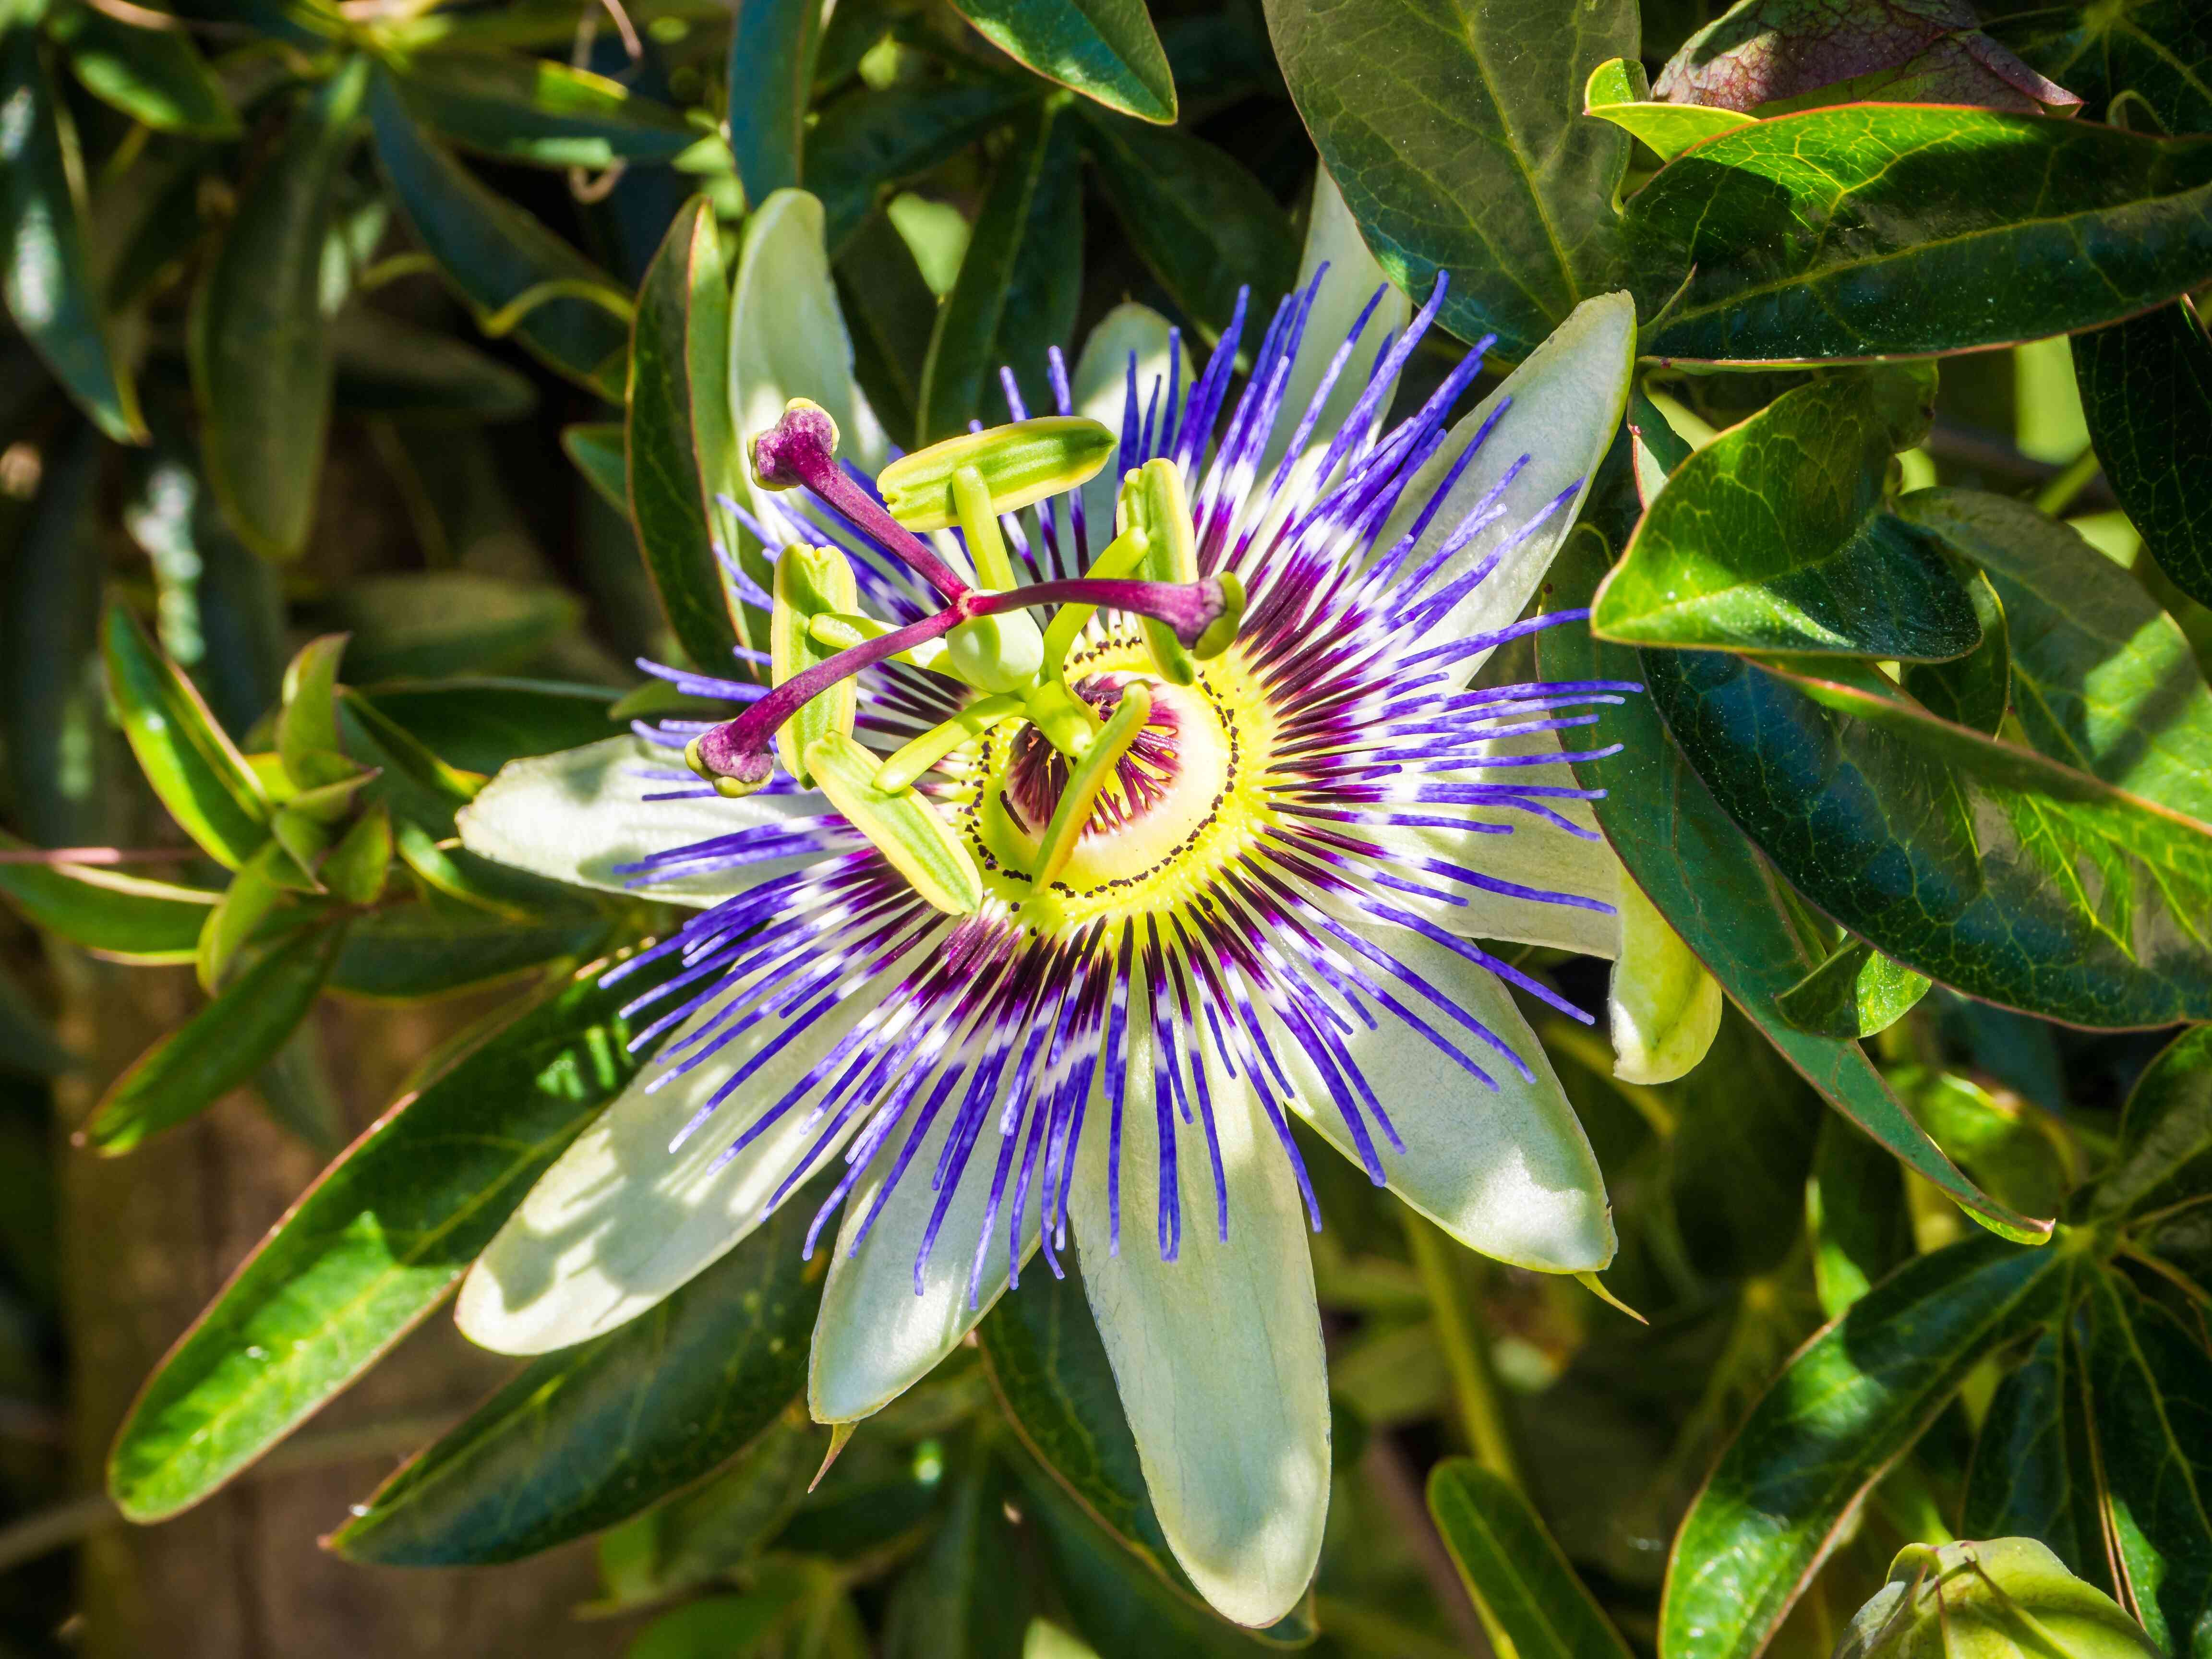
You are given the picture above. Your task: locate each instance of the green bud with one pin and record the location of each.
(810, 582)
(1152, 500)
(1020, 464)
(2007, 1598)
(900, 823)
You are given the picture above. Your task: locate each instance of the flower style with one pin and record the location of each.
(1045, 889)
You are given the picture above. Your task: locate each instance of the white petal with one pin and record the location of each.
(1217, 1355)
(787, 335)
(1567, 402)
(875, 1338)
(620, 1221)
(1333, 239)
(582, 814)
(1665, 1007)
(1506, 1170)
(1100, 389)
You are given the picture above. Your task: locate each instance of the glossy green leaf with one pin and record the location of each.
(697, 1536)
(515, 108)
(1522, 1585)
(371, 1248)
(382, 366)
(1856, 1211)
(680, 450)
(1975, 689)
(193, 767)
(155, 75)
(1104, 49)
(892, 313)
(591, 1435)
(308, 725)
(2101, 679)
(219, 1047)
(966, 1595)
(1456, 133)
(2034, 1473)
(1774, 538)
(1202, 223)
(1745, 1130)
(1903, 229)
(123, 916)
(356, 870)
(1987, 867)
(480, 725)
(495, 255)
(2014, 1150)
(1855, 993)
(2160, 50)
(2165, 1154)
(2150, 1388)
(446, 622)
(1719, 895)
(261, 359)
(419, 787)
(772, 48)
(1849, 1404)
(868, 140)
(2147, 391)
(596, 447)
(1618, 91)
(252, 896)
(1018, 287)
(439, 945)
(45, 268)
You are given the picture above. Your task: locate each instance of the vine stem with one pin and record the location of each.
(1467, 1356)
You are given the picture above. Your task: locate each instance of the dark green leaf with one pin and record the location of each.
(1017, 289)
(2147, 389)
(1774, 538)
(193, 765)
(699, 1534)
(679, 443)
(155, 75)
(534, 110)
(1856, 1208)
(126, 917)
(1905, 229)
(387, 366)
(371, 1248)
(495, 254)
(47, 272)
(891, 313)
(2160, 50)
(1104, 49)
(480, 725)
(2012, 1149)
(1527, 1593)
(597, 450)
(446, 622)
(1986, 867)
(1202, 223)
(773, 46)
(1975, 690)
(716, 1627)
(1718, 895)
(439, 944)
(1855, 993)
(1849, 1404)
(965, 1597)
(2033, 1473)
(2150, 1388)
(219, 1047)
(1456, 133)
(2101, 679)
(419, 787)
(587, 1437)
(1741, 1149)
(869, 140)
(2165, 1154)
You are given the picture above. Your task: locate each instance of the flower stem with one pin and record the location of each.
(1466, 1355)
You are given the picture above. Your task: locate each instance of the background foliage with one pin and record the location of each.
(360, 423)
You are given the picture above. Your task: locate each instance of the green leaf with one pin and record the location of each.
(697, 1536)
(2160, 50)
(45, 269)
(308, 725)
(680, 448)
(1719, 895)
(1104, 49)
(2165, 1154)
(869, 140)
(1618, 91)
(2033, 1473)
(2150, 1388)
(1737, 1162)
(382, 366)
(219, 1047)
(2013, 1149)
(480, 725)
(2147, 391)
(1527, 1593)
(533, 110)
(1905, 229)
(716, 1627)
(1975, 689)
(446, 622)
(1456, 133)
(966, 1596)
(155, 75)
(261, 360)
(439, 945)
(1855, 1209)
(596, 447)
(2101, 679)
(1849, 1404)
(419, 787)
(1773, 537)
(584, 1437)
(193, 767)
(772, 48)
(125, 917)
(1857, 992)
(1017, 289)
(1986, 867)
(371, 1248)
(495, 255)
(1202, 223)
(892, 313)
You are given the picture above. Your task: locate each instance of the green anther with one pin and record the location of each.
(810, 582)
(1020, 464)
(900, 823)
(1064, 720)
(840, 630)
(979, 523)
(1121, 558)
(1221, 633)
(900, 770)
(1088, 778)
(1153, 501)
